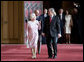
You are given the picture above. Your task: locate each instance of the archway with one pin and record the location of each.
(29, 7)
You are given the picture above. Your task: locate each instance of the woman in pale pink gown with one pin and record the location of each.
(33, 26)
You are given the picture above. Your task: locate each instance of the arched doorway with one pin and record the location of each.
(29, 7)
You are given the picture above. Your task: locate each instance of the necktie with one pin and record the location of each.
(50, 19)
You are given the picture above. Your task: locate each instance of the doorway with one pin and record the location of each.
(29, 7)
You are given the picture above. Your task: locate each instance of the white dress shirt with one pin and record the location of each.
(45, 15)
(61, 16)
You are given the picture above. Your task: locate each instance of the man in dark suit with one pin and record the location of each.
(52, 32)
(77, 32)
(43, 16)
(62, 23)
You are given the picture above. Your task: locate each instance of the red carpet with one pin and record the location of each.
(11, 52)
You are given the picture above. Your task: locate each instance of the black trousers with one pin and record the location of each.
(54, 44)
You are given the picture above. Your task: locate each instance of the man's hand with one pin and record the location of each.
(43, 34)
(59, 35)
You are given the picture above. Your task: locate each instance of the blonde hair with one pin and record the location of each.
(32, 15)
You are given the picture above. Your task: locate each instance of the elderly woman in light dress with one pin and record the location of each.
(33, 27)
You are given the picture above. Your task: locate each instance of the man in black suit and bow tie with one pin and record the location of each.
(52, 32)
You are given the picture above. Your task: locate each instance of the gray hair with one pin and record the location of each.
(52, 10)
(55, 13)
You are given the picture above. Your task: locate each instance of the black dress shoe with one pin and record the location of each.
(54, 57)
(50, 57)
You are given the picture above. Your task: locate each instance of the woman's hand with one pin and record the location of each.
(39, 25)
(39, 22)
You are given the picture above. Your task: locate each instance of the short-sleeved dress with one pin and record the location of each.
(67, 24)
(33, 27)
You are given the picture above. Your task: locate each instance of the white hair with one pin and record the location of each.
(32, 15)
(52, 10)
(55, 13)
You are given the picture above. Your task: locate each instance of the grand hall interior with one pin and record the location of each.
(14, 18)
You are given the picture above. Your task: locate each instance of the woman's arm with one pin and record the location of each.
(39, 25)
(28, 29)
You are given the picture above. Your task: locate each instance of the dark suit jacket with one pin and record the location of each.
(62, 22)
(42, 19)
(52, 28)
(38, 18)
